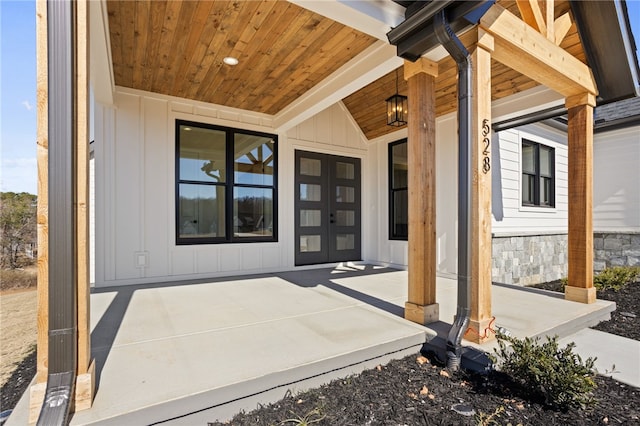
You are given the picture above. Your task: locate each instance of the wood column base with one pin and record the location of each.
(36, 398)
(480, 331)
(580, 294)
(85, 391)
(422, 314)
(85, 388)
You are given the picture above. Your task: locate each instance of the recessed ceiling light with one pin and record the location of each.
(230, 60)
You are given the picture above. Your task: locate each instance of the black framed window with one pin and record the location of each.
(538, 174)
(398, 192)
(225, 185)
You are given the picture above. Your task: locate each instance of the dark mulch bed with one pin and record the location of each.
(406, 392)
(625, 320)
(11, 391)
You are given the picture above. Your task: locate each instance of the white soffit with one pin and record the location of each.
(526, 102)
(374, 62)
(373, 17)
(100, 63)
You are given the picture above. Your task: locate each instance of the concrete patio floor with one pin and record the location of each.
(188, 353)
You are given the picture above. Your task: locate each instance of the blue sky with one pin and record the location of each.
(18, 96)
(18, 92)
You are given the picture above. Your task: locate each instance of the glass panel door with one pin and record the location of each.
(344, 209)
(311, 215)
(327, 216)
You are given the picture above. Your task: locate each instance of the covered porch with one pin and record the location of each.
(147, 68)
(191, 352)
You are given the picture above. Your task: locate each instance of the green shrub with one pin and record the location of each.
(556, 375)
(616, 278)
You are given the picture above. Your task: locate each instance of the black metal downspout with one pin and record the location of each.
(459, 53)
(62, 274)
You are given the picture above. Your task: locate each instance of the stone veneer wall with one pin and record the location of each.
(525, 260)
(615, 249)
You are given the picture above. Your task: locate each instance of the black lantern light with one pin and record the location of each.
(397, 110)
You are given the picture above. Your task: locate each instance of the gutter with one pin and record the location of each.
(416, 35)
(605, 33)
(630, 47)
(62, 343)
(459, 53)
(534, 117)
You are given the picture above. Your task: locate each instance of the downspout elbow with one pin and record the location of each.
(57, 402)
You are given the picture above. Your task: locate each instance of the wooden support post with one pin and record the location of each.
(480, 278)
(36, 392)
(42, 93)
(580, 133)
(85, 382)
(421, 154)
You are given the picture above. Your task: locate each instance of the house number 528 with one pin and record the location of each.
(486, 143)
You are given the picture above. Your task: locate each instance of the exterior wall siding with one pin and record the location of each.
(394, 252)
(134, 153)
(616, 198)
(509, 216)
(616, 181)
(529, 244)
(135, 213)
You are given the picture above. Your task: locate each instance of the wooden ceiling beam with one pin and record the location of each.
(523, 49)
(532, 15)
(562, 25)
(550, 21)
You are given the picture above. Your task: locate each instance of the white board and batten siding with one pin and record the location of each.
(135, 188)
(394, 252)
(509, 216)
(616, 181)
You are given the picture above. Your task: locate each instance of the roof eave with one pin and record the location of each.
(606, 36)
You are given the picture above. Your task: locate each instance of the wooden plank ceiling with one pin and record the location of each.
(176, 48)
(368, 104)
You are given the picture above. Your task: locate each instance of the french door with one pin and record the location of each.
(327, 208)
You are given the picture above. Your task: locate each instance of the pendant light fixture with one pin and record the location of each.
(397, 110)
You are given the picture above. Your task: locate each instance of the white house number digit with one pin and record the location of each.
(486, 142)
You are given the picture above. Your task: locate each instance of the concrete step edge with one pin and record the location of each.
(249, 394)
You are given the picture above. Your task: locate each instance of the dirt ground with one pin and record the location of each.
(17, 329)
